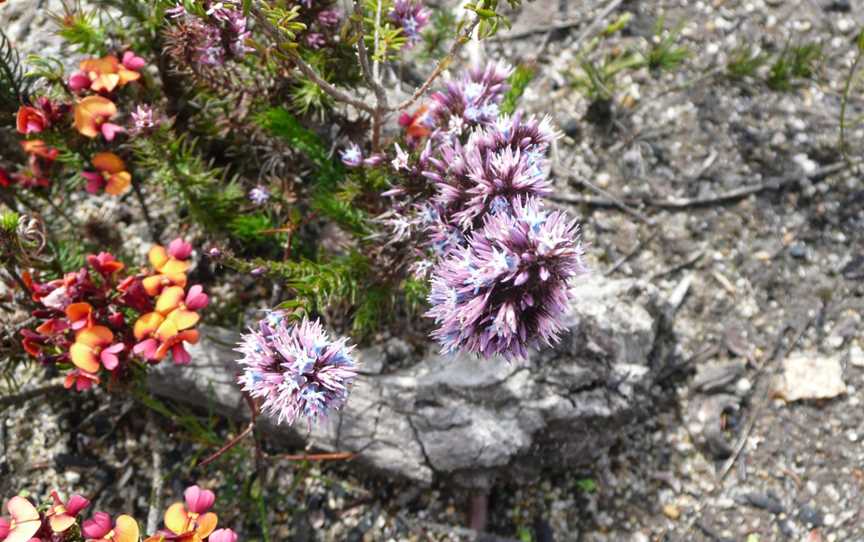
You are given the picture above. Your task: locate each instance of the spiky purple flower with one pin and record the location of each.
(507, 288)
(315, 40)
(471, 100)
(499, 164)
(295, 369)
(412, 16)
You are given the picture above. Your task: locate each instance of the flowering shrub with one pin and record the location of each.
(59, 521)
(88, 316)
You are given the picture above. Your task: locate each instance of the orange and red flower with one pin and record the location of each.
(30, 120)
(111, 175)
(100, 528)
(106, 73)
(92, 115)
(61, 517)
(94, 345)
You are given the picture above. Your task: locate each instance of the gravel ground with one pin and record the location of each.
(759, 280)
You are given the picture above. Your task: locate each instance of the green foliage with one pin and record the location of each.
(490, 20)
(14, 86)
(664, 54)
(83, 30)
(518, 82)
(317, 286)
(415, 293)
(9, 221)
(371, 311)
(327, 180)
(175, 163)
(285, 21)
(587, 485)
(249, 227)
(744, 62)
(795, 62)
(381, 36)
(439, 32)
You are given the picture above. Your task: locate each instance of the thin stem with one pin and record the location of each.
(371, 76)
(334, 456)
(231, 443)
(375, 64)
(253, 410)
(144, 209)
(843, 103)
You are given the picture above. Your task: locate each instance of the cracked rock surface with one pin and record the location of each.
(473, 420)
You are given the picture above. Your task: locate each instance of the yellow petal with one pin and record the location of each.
(174, 266)
(206, 524)
(157, 256)
(176, 518)
(183, 319)
(108, 161)
(61, 523)
(167, 330)
(95, 336)
(106, 82)
(152, 284)
(126, 529)
(147, 324)
(169, 299)
(83, 357)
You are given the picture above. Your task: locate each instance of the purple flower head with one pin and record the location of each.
(498, 164)
(329, 17)
(412, 17)
(472, 100)
(259, 195)
(296, 369)
(143, 119)
(508, 287)
(352, 156)
(220, 35)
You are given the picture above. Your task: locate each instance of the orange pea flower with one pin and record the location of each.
(92, 115)
(106, 73)
(171, 269)
(25, 521)
(191, 521)
(111, 175)
(92, 346)
(80, 315)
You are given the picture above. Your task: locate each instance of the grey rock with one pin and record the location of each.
(468, 419)
(713, 377)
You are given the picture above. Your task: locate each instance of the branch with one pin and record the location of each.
(307, 70)
(442, 65)
(370, 75)
(24, 396)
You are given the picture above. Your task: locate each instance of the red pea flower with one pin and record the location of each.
(81, 380)
(30, 120)
(104, 263)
